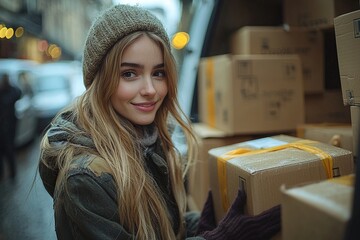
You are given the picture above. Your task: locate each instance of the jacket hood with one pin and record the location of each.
(62, 131)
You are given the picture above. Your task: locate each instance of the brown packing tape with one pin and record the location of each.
(305, 145)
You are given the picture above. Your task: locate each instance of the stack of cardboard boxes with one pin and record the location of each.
(250, 79)
(269, 97)
(323, 209)
(247, 94)
(347, 29)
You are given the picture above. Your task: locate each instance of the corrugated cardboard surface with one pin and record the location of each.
(198, 181)
(326, 107)
(261, 175)
(317, 211)
(309, 45)
(316, 13)
(355, 124)
(347, 31)
(251, 94)
(338, 135)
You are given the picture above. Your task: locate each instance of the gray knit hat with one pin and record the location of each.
(112, 25)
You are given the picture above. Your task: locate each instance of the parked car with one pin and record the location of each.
(56, 84)
(20, 74)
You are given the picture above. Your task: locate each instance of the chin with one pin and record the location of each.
(144, 122)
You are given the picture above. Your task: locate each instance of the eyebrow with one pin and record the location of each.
(135, 65)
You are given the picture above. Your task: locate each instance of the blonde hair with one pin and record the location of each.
(142, 209)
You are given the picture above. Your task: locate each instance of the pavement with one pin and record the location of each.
(26, 210)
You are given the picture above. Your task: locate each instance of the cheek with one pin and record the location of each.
(123, 93)
(162, 89)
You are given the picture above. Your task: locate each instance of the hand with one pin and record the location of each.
(236, 225)
(207, 220)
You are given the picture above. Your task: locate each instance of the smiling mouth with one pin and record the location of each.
(145, 107)
(149, 104)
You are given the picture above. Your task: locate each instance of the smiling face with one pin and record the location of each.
(143, 83)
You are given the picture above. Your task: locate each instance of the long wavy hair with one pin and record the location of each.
(142, 209)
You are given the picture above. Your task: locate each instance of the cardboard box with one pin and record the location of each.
(326, 107)
(338, 135)
(316, 13)
(317, 211)
(251, 94)
(309, 45)
(355, 123)
(198, 177)
(261, 166)
(347, 31)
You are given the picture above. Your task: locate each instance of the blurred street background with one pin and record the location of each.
(41, 45)
(25, 207)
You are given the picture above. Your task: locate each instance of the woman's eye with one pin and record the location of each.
(128, 74)
(160, 73)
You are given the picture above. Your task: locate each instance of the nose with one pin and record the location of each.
(148, 88)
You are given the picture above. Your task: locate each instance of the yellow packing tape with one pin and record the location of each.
(348, 180)
(327, 161)
(210, 92)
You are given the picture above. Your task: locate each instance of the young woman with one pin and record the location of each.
(108, 161)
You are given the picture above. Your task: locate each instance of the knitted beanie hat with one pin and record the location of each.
(109, 27)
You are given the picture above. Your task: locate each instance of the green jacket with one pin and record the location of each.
(88, 209)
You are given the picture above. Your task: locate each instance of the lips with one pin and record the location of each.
(145, 107)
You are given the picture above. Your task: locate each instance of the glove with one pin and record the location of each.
(207, 220)
(236, 225)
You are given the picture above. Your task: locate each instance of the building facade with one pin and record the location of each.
(46, 30)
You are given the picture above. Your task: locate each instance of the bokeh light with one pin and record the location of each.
(180, 40)
(54, 51)
(19, 32)
(3, 32)
(9, 33)
(42, 45)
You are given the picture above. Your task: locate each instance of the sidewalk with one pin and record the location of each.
(25, 207)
